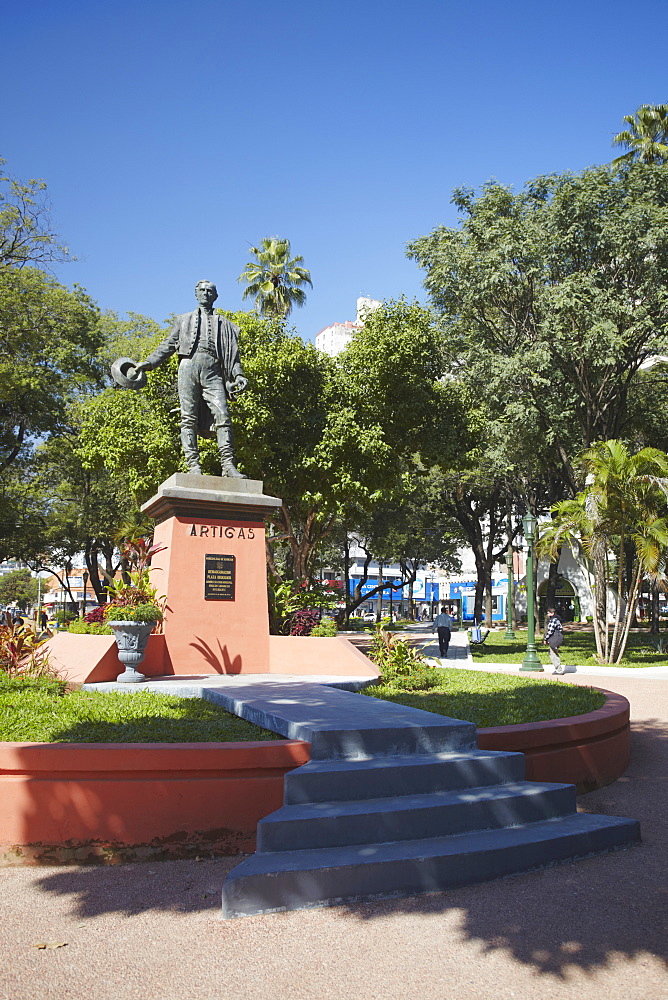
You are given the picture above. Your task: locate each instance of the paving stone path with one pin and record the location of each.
(596, 929)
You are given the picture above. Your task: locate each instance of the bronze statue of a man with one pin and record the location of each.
(209, 372)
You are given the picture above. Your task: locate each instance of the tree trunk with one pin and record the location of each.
(619, 617)
(487, 570)
(94, 572)
(630, 609)
(600, 602)
(108, 570)
(656, 623)
(346, 575)
(302, 543)
(478, 599)
(379, 609)
(552, 581)
(356, 598)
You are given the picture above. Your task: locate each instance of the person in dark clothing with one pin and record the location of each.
(443, 625)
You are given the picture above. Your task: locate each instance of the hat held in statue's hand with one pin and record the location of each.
(124, 373)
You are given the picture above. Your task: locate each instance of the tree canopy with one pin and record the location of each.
(49, 341)
(274, 278)
(26, 233)
(552, 298)
(646, 138)
(18, 587)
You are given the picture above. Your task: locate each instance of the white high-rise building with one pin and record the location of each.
(333, 339)
(365, 305)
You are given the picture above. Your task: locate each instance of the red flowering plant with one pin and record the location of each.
(296, 611)
(95, 616)
(303, 622)
(21, 651)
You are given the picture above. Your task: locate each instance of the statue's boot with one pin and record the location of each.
(190, 450)
(226, 451)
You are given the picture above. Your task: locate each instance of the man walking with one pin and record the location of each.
(554, 636)
(443, 625)
(209, 372)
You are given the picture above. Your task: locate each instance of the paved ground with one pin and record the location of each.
(594, 930)
(459, 656)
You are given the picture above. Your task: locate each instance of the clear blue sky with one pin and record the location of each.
(173, 135)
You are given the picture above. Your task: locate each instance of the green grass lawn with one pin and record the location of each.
(579, 649)
(38, 711)
(495, 699)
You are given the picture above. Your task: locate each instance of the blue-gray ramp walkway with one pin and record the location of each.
(395, 801)
(339, 724)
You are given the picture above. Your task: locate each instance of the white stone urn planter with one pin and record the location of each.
(131, 639)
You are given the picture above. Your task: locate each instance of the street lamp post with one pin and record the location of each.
(509, 634)
(530, 661)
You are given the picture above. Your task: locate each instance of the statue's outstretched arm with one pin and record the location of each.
(162, 351)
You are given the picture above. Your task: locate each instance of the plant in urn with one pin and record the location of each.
(134, 610)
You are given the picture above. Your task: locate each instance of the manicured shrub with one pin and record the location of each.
(21, 651)
(133, 613)
(81, 627)
(325, 627)
(95, 617)
(303, 622)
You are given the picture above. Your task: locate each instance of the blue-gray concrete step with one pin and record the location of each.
(342, 780)
(293, 880)
(340, 724)
(406, 817)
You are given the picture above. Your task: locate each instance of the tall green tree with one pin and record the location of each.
(274, 278)
(409, 527)
(18, 587)
(550, 300)
(49, 343)
(399, 379)
(27, 236)
(623, 503)
(646, 138)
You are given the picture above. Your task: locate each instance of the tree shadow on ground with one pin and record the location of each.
(201, 722)
(576, 916)
(186, 885)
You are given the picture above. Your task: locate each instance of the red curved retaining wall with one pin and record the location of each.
(588, 751)
(108, 802)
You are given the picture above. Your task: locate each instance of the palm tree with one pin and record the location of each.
(274, 278)
(622, 507)
(647, 137)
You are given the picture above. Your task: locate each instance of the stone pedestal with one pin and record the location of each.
(213, 572)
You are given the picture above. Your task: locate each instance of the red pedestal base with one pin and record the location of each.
(213, 572)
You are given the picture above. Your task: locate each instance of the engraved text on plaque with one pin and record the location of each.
(218, 578)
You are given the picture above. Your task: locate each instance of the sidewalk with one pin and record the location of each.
(459, 655)
(593, 930)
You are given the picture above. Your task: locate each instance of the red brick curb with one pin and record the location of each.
(588, 751)
(110, 802)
